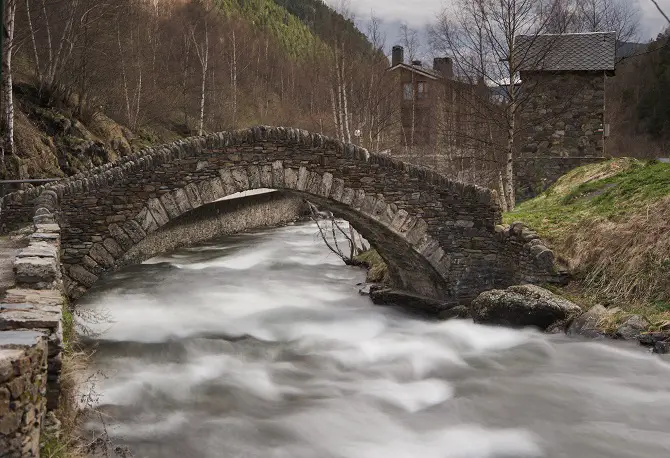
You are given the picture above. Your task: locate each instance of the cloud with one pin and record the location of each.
(652, 21)
(419, 13)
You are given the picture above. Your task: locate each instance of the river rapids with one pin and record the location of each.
(259, 345)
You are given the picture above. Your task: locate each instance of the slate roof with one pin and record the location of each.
(425, 71)
(566, 52)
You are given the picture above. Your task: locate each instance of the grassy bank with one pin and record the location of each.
(610, 223)
(65, 442)
(377, 269)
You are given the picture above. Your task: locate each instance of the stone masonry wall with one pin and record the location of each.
(23, 361)
(31, 337)
(437, 235)
(561, 126)
(218, 219)
(535, 175)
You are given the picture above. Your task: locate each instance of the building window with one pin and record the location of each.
(421, 90)
(408, 93)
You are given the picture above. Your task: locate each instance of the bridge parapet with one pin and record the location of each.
(31, 335)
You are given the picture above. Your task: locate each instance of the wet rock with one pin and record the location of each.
(410, 301)
(632, 328)
(560, 327)
(587, 325)
(662, 348)
(460, 311)
(368, 288)
(521, 306)
(650, 339)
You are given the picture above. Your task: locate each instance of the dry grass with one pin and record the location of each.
(69, 443)
(610, 223)
(625, 260)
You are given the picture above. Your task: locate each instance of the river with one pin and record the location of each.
(259, 345)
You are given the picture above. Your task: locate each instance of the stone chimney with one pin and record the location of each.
(444, 66)
(398, 56)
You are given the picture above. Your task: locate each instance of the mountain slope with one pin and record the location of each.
(149, 75)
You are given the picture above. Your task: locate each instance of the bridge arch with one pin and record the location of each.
(441, 238)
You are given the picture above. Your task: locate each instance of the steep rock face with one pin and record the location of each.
(521, 306)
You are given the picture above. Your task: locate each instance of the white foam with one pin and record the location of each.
(242, 261)
(147, 428)
(412, 396)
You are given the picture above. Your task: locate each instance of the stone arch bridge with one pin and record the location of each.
(441, 238)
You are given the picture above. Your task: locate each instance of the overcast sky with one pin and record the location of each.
(418, 13)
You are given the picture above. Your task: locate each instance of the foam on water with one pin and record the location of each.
(260, 346)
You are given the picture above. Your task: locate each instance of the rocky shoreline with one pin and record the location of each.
(523, 306)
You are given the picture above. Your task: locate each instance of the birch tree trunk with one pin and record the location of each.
(345, 104)
(124, 76)
(33, 39)
(234, 80)
(203, 56)
(7, 94)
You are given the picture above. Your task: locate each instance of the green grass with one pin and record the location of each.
(377, 268)
(610, 223)
(627, 186)
(66, 444)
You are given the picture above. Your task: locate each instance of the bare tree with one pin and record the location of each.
(481, 35)
(660, 10)
(331, 230)
(202, 51)
(410, 41)
(8, 46)
(620, 16)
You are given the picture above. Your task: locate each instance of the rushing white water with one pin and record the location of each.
(260, 346)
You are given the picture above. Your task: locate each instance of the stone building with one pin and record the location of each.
(418, 86)
(440, 117)
(458, 127)
(563, 114)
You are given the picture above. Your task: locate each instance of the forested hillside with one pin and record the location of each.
(639, 102)
(94, 80)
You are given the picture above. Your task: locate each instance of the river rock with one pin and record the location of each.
(520, 306)
(409, 301)
(632, 328)
(368, 288)
(662, 348)
(588, 324)
(460, 311)
(650, 339)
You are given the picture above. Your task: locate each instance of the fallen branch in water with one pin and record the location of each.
(333, 245)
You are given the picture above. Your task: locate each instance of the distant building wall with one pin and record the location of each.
(217, 219)
(561, 126)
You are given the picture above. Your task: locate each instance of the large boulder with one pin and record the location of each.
(521, 306)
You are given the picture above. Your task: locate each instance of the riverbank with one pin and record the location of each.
(608, 223)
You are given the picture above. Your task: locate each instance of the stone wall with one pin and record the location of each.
(218, 219)
(31, 337)
(535, 175)
(561, 126)
(563, 114)
(437, 235)
(23, 361)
